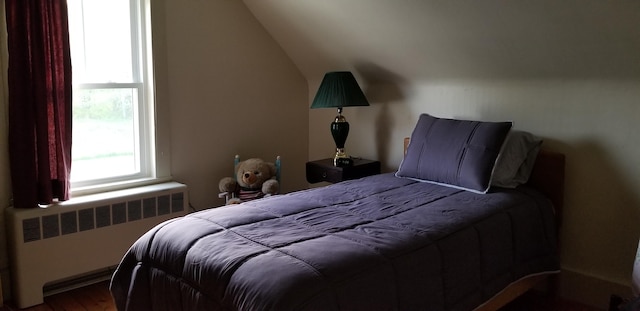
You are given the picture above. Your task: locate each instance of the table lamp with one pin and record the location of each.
(339, 89)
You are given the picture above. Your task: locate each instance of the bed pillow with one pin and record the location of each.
(516, 160)
(456, 153)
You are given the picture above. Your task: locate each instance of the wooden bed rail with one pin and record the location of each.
(548, 177)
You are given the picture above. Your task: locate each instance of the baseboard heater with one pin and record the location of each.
(76, 238)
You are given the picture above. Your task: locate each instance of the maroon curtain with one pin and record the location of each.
(39, 101)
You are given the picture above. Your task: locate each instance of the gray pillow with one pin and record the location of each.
(516, 160)
(456, 153)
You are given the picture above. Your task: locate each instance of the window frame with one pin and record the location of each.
(144, 111)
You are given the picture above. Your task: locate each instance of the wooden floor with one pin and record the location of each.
(89, 298)
(536, 301)
(97, 297)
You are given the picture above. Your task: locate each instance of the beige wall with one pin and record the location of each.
(231, 90)
(594, 122)
(226, 87)
(568, 71)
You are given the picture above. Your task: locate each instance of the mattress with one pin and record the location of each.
(376, 243)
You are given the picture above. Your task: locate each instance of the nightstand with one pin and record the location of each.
(324, 170)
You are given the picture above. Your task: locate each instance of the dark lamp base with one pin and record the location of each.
(340, 131)
(342, 158)
(342, 162)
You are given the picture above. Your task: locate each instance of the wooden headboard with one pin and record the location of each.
(547, 176)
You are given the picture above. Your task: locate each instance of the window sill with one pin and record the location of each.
(82, 191)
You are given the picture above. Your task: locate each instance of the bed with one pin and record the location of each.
(427, 237)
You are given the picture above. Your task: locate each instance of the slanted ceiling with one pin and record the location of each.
(458, 39)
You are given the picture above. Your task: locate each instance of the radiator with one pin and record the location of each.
(83, 235)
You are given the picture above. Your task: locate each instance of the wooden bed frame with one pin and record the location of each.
(548, 177)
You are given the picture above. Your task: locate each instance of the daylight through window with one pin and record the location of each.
(112, 102)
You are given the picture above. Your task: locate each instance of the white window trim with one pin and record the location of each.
(157, 168)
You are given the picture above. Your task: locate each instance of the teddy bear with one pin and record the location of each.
(255, 179)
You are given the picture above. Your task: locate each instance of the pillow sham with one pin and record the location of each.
(455, 153)
(515, 162)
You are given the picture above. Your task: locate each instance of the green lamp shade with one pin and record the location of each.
(339, 89)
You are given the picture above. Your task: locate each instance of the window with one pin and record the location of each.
(113, 135)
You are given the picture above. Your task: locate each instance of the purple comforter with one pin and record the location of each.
(378, 243)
